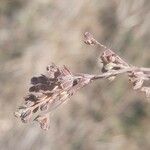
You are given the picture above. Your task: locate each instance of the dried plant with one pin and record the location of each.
(51, 90)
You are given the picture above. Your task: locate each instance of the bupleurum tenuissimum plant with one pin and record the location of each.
(50, 90)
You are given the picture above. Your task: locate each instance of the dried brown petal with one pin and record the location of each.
(36, 109)
(33, 89)
(53, 71)
(138, 84)
(31, 97)
(39, 87)
(43, 121)
(109, 56)
(29, 103)
(41, 79)
(75, 82)
(44, 107)
(26, 115)
(34, 80)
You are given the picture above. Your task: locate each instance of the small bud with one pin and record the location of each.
(89, 39)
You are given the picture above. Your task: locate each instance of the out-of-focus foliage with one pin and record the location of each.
(34, 33)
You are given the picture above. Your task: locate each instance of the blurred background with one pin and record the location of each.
(101, 116)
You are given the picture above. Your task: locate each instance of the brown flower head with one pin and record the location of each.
(49, 91)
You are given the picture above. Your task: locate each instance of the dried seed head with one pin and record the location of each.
(48, 91)
(51, 90)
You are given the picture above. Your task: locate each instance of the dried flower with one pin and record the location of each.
(51, 90)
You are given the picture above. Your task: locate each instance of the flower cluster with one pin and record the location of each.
(113, 64)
